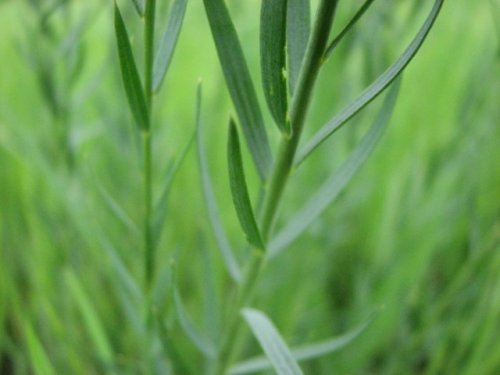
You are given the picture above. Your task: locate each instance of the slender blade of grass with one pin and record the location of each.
(210, 299)
(91, 319)
(161, 207)
(239, 84)
(41, 364)
(130, 75)
(127, 280)
(273, 59)
(331, 188)
(114, 207)
(271, 342)
(372, 91)
(298, 31)
(303, 353)
(201, 342)
(180, 365)
(168, 43)
(335, 42)
(139, 6)
(239, 189)
(211, 203)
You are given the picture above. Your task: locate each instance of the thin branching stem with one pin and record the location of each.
(280, 172)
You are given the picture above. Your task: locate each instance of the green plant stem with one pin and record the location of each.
(147, 230)
(281, 171)
(149, 21)
(149, 250)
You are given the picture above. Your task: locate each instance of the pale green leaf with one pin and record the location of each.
(331, 188)
(273, 59)
(161, 207)
(169, 345)
(130, 75)
(91, 319)
(271, 342)
(210, 201)
(168, 42)
(372, 91)
(40, 361)
(239, 189)
(113, 206)
(334, 43)
(126, 280)
(302, 353)
(298, 31)
(203, 344)
(239, 84)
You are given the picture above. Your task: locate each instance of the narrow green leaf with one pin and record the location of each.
(203, 344)
(273, 59)
(161, 207)
(303, 353)
(372, 91)
(335, 42)
(239, 84)
(272, 343)
(40, 361)
(210, 201)
(139, 6)
(239, 189)
(332, 187)
(168, 43)
(127, 280)
(130, 75)
(210, 299)
(91, 319)
(113, 206)
(298, 31)
(180, 365)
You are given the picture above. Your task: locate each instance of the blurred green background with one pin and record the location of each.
(415, 236)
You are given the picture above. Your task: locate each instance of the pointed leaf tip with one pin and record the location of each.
(271, 342)
(375, 89)
(130, 75)
(240, 85)
(273, 59)
(168, 43)
(210, 200)
(239, 189)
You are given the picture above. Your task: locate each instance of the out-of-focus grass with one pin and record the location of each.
(415, 234)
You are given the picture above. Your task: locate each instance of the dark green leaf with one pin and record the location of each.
(334, 43)
(372, 91)
(273, 59)
(272, 343)
(210, 201)
(130, 75)
(331, 189)
(240, 84)
(239, 189)
(168, 43)
(298, 30)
